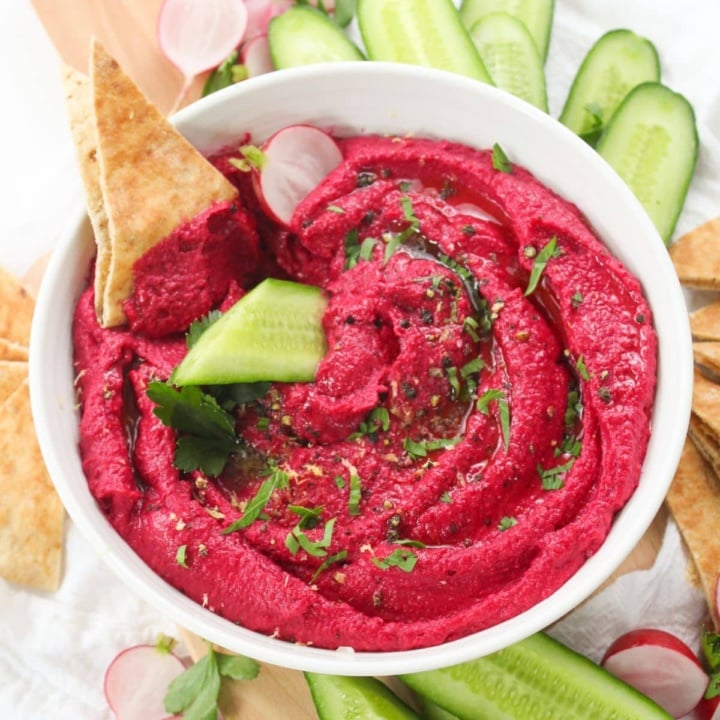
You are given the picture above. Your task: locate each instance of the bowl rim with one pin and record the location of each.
(46, 338)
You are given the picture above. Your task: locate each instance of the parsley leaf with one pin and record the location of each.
(506, 523)
(483, 402)
(194, 693)
(206, 432)
(227, 73)
(198, 327)
(417, 449)
(553, 478)
(297, 539)
(336, 558)
(500, 160)
(257, 503)
(541, 260)
(355, 495)
(401, 558)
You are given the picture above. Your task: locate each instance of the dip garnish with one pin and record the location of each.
(550, 250)
(500, 160)
(355, 494)
(276, 479)
(552, 478)
(401, 558)
(506, 523)
(297, 539)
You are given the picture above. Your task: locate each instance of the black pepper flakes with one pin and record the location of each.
(365, 178)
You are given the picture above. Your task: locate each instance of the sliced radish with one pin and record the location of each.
(197, 35)
(708, 709)
(256, 56)
(136, 682)
(296, 159)
(661, 666)
(261, 12)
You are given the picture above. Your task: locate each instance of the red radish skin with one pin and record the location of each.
(297, 159)
(256, 56)
(136, 682)
(197, 35)
(708, 709)
(660, 665)
(261, 12)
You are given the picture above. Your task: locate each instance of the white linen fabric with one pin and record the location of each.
(54, 648)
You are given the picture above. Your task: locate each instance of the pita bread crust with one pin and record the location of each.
(79, 103)
(694, 501)
(12, 351)
(152, 179)
(705, 322)
(696, 256)
(31, 514)
(16, 309)
(707, 357)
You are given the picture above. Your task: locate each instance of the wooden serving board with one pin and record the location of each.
(127, 29)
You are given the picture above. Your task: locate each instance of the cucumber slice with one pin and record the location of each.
(534, 679)
(615, 64)
(419, 32)
(652, 143)
(273, 333)
(511, 57)
(536, 15)
(304, 36)
(354, 698)
(431, 711)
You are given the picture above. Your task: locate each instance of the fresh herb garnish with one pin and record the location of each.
(297, 539)
(483, 402)
(253, 158)
(194, 693)
(553, 478)
(582, 368)
(332, 560)
(504, 409)
(574, 408)
(336, 209)
(409, 213)
(401, 558)
(257, 503)
(198, 327)
(206, 432)
(452, 376)
(181, 556)
(446, 498)
(352, 248)
(506, 523)
(550, 250)
(500, 160)
(710, 649)
(309, 517)
(227, 73)
(355, 495)
(576, 300)
(417, 449)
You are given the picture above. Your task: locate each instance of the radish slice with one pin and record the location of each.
(297, 158)
(136, 682)
(659, 665)
(708, 709)
(261, 12)
(256, 56)
(197, 35)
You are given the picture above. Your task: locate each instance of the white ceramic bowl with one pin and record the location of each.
(357, 98)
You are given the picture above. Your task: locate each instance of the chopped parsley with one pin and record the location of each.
(410, 213)
(504, 409)
(550, 250)
(553, 478)
(574, 408)
(500, 160)
(446, 498)
(332, 560)
(452, 375)
(355, 495)
(506, 523)
(576, 300)
(181, 556)
(206, 431)
(401, 558)
(352, 248)
(582, 368)
(257, 503)
(297, 539)
(483, 402)
(252, 158)
(417, 449)
(198, 327)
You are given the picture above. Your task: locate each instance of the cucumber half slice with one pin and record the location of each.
(305, 36)
(533, 679)
(619, 61)
(652, 143)
(419, 32)
(511, 57)
(536, 15)
(274, 333)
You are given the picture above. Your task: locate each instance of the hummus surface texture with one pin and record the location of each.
(467, 440)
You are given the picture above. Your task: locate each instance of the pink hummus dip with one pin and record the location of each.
(468, 438)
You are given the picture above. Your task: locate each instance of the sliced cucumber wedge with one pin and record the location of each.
(534, 679)
(419, 32)
(511, 57)
(619, 61)
(273, 333)
(652, 143)
(355, 698)
(536, 15)
(304, 36)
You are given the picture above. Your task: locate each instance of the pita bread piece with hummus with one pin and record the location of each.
(31, 514)
(142, 178)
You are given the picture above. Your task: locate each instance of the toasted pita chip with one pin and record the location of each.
(705, 419)
(705, 322)
(12, 350)
(16, 309)
(707, 358)
(694, 501)
(79, 102)
(152, 179)
(696, 256)
(706, 443)
(31, 515)
(12, 375)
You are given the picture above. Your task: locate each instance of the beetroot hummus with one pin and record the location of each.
(481, 414)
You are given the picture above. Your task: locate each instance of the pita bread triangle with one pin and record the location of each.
(151, 178)
(16, 309)
(705, 322)
(696, 256)
(78, 99)
(707, 357)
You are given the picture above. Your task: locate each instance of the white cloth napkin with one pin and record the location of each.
(54, 648)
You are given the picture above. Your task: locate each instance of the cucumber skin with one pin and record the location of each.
(573, 112)
(348, 698)
(487, 27)
(305, 22)
(677, 182)
(505, 686)
(465, 59)
(473, 10)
